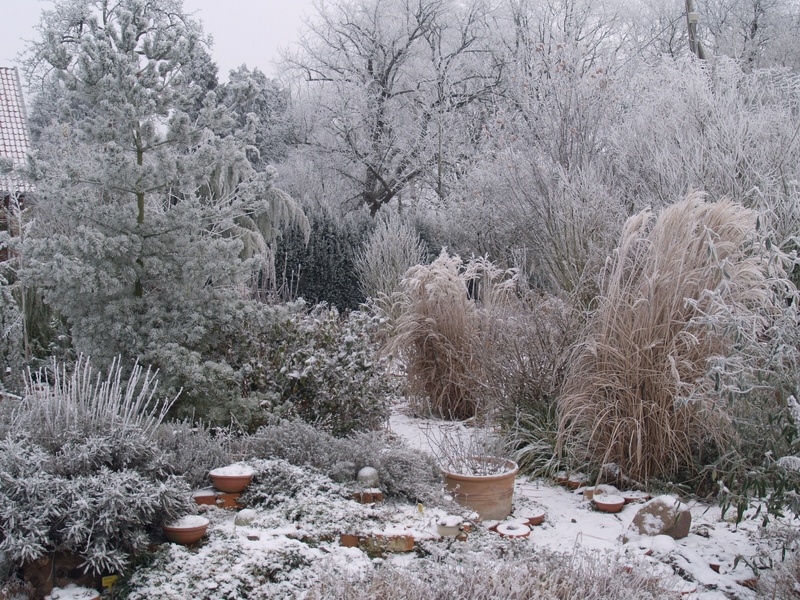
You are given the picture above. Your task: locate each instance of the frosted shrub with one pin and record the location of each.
(90, 421)
(392, 248)
(488, 567)
(324, 368)
(711, 126)
(193, 449)
(404, 473)
(79, 471)
(303, 496)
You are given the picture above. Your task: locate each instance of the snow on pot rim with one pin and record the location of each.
(479, 467)
(235, 470)
(188, 522)
(449, 525)
(511, 529)
(609, 502)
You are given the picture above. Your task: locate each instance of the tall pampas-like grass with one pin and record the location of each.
(637, 392)
(445, 315)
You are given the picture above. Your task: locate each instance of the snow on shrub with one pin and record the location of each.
(79, 472)
(325, 369)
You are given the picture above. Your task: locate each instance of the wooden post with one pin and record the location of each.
(691, 22)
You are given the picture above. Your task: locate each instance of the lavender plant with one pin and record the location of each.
(79, 471)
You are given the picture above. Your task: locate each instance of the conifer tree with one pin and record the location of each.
(150, 221)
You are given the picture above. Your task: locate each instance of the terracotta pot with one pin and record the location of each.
(449, 526)
(207, 496)
(231, 483)
(532, 517)
(188, 533)
(609, 502)
(488, 495)
(635, 496)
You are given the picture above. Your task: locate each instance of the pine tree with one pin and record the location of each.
(150, 221)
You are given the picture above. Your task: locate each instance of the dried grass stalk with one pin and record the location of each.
(637, 393)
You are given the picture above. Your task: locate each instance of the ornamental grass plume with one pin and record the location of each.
(442, 328)
(637, 392)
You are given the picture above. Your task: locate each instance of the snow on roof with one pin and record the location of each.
(14, 136)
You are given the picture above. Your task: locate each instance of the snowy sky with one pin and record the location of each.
(244, 31)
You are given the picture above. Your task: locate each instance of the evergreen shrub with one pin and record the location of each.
(324, 368)
(321, 268)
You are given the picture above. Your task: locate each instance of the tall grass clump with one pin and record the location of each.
(445, 309)
(391, 249)
(637, 393)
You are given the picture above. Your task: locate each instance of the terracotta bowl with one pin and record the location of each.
(610, 503)
(532, 517)
(230, 479)
(186, 531)
(635, 496)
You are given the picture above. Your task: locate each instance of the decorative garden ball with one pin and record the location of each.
(368, 477)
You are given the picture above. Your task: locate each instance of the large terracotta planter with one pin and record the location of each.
(488, 495)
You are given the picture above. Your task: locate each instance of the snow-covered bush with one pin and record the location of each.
(404, 473)
(103, 515)
(714, 126)
(79, 471)
(324, 368)
(487, 567)
(193, 449)
(278, 568)
(391, 249)
(314, 503)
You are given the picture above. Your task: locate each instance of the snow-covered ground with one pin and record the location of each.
(713, 561)
(281, 549)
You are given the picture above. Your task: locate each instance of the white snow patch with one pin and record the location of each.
(188, 521)
(72, 592)
(235, 470)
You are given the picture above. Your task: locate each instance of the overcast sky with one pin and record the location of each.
(244, 31)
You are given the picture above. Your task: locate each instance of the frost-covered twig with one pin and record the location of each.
(82, 399)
